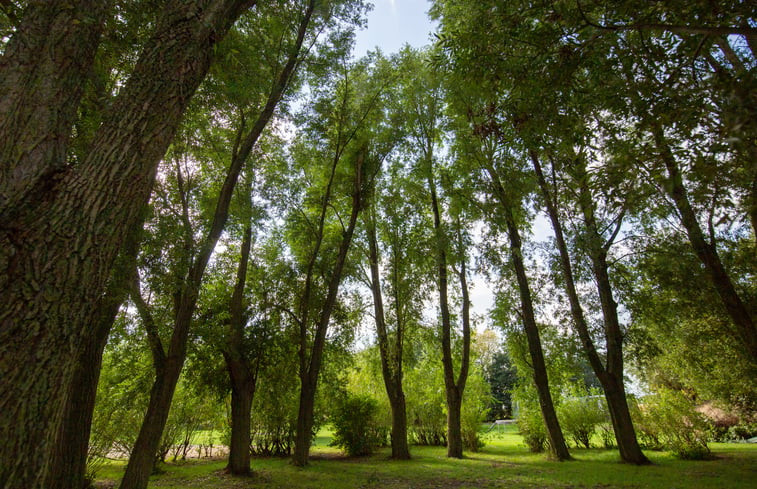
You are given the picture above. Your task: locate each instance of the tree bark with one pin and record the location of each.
(707, 251)
(241, 372)
(611, 380)
(391, 364)
(454, 388)
(43, 72)
(311, 367)
(58, 249)
(558, 447)
(68, 465)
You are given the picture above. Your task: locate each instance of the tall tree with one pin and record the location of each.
(341, 133)
(189, 277)
(59, 244)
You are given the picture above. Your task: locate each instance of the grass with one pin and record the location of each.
(503, 463)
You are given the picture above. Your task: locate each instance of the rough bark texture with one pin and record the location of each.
(241, 372)
(391, 358)
(707, 251)
(310, 361)
(42, 74)
(454, 388)
(57, 251)
(68, 465)
(556, 439)
(610, 377)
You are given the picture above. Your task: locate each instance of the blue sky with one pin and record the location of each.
(392, 23)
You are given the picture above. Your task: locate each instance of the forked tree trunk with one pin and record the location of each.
(136, 477)
(558, 447)
(612, 383)
(454, 389)
(241, 373)
(391, 362)
(612, 380)
(57, 249)
(43, 72)
(310, 365)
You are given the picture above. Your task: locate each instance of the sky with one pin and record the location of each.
(392, 23)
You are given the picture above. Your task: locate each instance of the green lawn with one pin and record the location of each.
(503, 463)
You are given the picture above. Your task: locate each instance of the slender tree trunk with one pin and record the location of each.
(58, 249)
(554, 432)
(707, 251)
(612, 376)
(391, 365)
(311, 367)
(625, 434)
(453, 388)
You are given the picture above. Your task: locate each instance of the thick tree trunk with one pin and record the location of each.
(707, 252)
(68, 464)
(242, 394)
(400, 448)
(554, 432)
(57, 251)
(240, 372)
(304, 433)
(625, 435)
(43, 71)
(454, 426)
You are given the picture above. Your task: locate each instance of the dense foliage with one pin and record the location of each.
(219, 228)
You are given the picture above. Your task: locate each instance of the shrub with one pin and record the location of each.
(668, 421)
(580, 417)
(531, 427)
(356, 430)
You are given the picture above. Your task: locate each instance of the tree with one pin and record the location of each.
(340, 129)
(98, 200)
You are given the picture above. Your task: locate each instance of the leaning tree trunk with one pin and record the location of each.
(58, 248)
(68, 465)
(707, 252)
(611, 381)
(554, 432)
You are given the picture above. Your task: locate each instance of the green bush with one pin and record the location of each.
(531, 427)
(356, 429)
(668, 421)
(580, 417)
